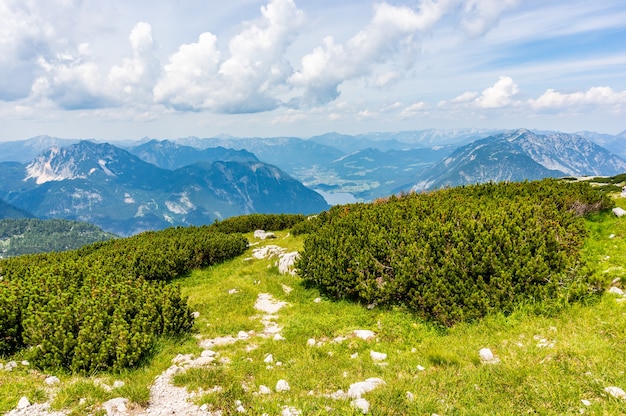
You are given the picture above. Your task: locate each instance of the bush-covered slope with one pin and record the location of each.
(32, 235)
(103, 306)
(457, 254)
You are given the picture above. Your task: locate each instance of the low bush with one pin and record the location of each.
(103, 306)
(457, 254)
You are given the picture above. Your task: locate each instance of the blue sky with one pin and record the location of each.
(125, 70)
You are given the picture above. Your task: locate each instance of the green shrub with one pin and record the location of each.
(103, 306)
(252, 222)
(457, 254)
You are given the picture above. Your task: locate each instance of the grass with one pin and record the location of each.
(548, 364)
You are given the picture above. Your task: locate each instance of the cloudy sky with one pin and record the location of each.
(113, 69)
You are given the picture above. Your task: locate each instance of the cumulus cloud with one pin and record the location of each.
(499, 95)
(198, 78)
(603, 98)
(134, 79)
(482, 15)
(413, 110)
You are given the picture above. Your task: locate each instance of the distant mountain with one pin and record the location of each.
(31, 235)
(288, 153)
(24, 151)
(108, 186)
(169, 155)
(11, 211)
(519, 155)
(412, 139)
(614, 143)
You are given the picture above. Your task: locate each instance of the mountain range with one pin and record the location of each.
(154, 184)
(116, 190)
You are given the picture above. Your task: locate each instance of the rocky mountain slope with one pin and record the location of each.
(522, 154)
(108, 186)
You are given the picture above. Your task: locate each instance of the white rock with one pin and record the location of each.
(51, 380)
(290, 411)
(378, 356)
(115, 407)
(317, 300)
(612, 236)
(269, 359)
(364, 334)
(241, 409)
(243, 335)
(195, 315)
(487, 357)
(10, 365)
(23, 403)
(356, 390)
(355, 355)
(232, 291)
(616, 291)
(338, 395)
(207, 353)
(361, 404)
(278, 337)
(202, 361)
(310, 342)
(118, 384)
(282, 385)
(420, 368)
(616, 392)
(619, 212)
(286, 263)
(410, 397)
(264, 390)
(268, 304)
(25, 363)
(586, 402)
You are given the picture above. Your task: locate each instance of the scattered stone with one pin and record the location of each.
(269, 359)
(287, 289)
(240, 409)
(118, 384)
(355, 355)
(616, 291)
(10, 366)
(317, 300)
(586, 402)
(487, 357)
(619, 212)
(356, 390)
(286, 263)
(115, 407)
(310, 342)
(264, 390)
(23, 403)
(267, 252)
(243, 335)
(208, 353)
(339, 340)
(611, 236)
(195, 315)
(378, 356)
(25, 363)
(420, 368)
(232, 291)
(51, 380)
(266, 303)
(616, 392)
(282, 385)
(278, 337)
(262, 235)
(410, 397)
(290, 411)
(361, 404)
(364, 334)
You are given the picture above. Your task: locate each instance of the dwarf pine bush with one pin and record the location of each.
(103, 306)
(457, 254)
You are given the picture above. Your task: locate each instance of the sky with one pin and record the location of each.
(167, 69)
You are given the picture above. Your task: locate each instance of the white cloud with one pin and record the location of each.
(482, 15)
(599, 98)
(499, 95)
(414, 110)
(134, 79)
(248, 81)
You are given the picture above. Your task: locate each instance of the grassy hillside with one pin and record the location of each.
(549, 363)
